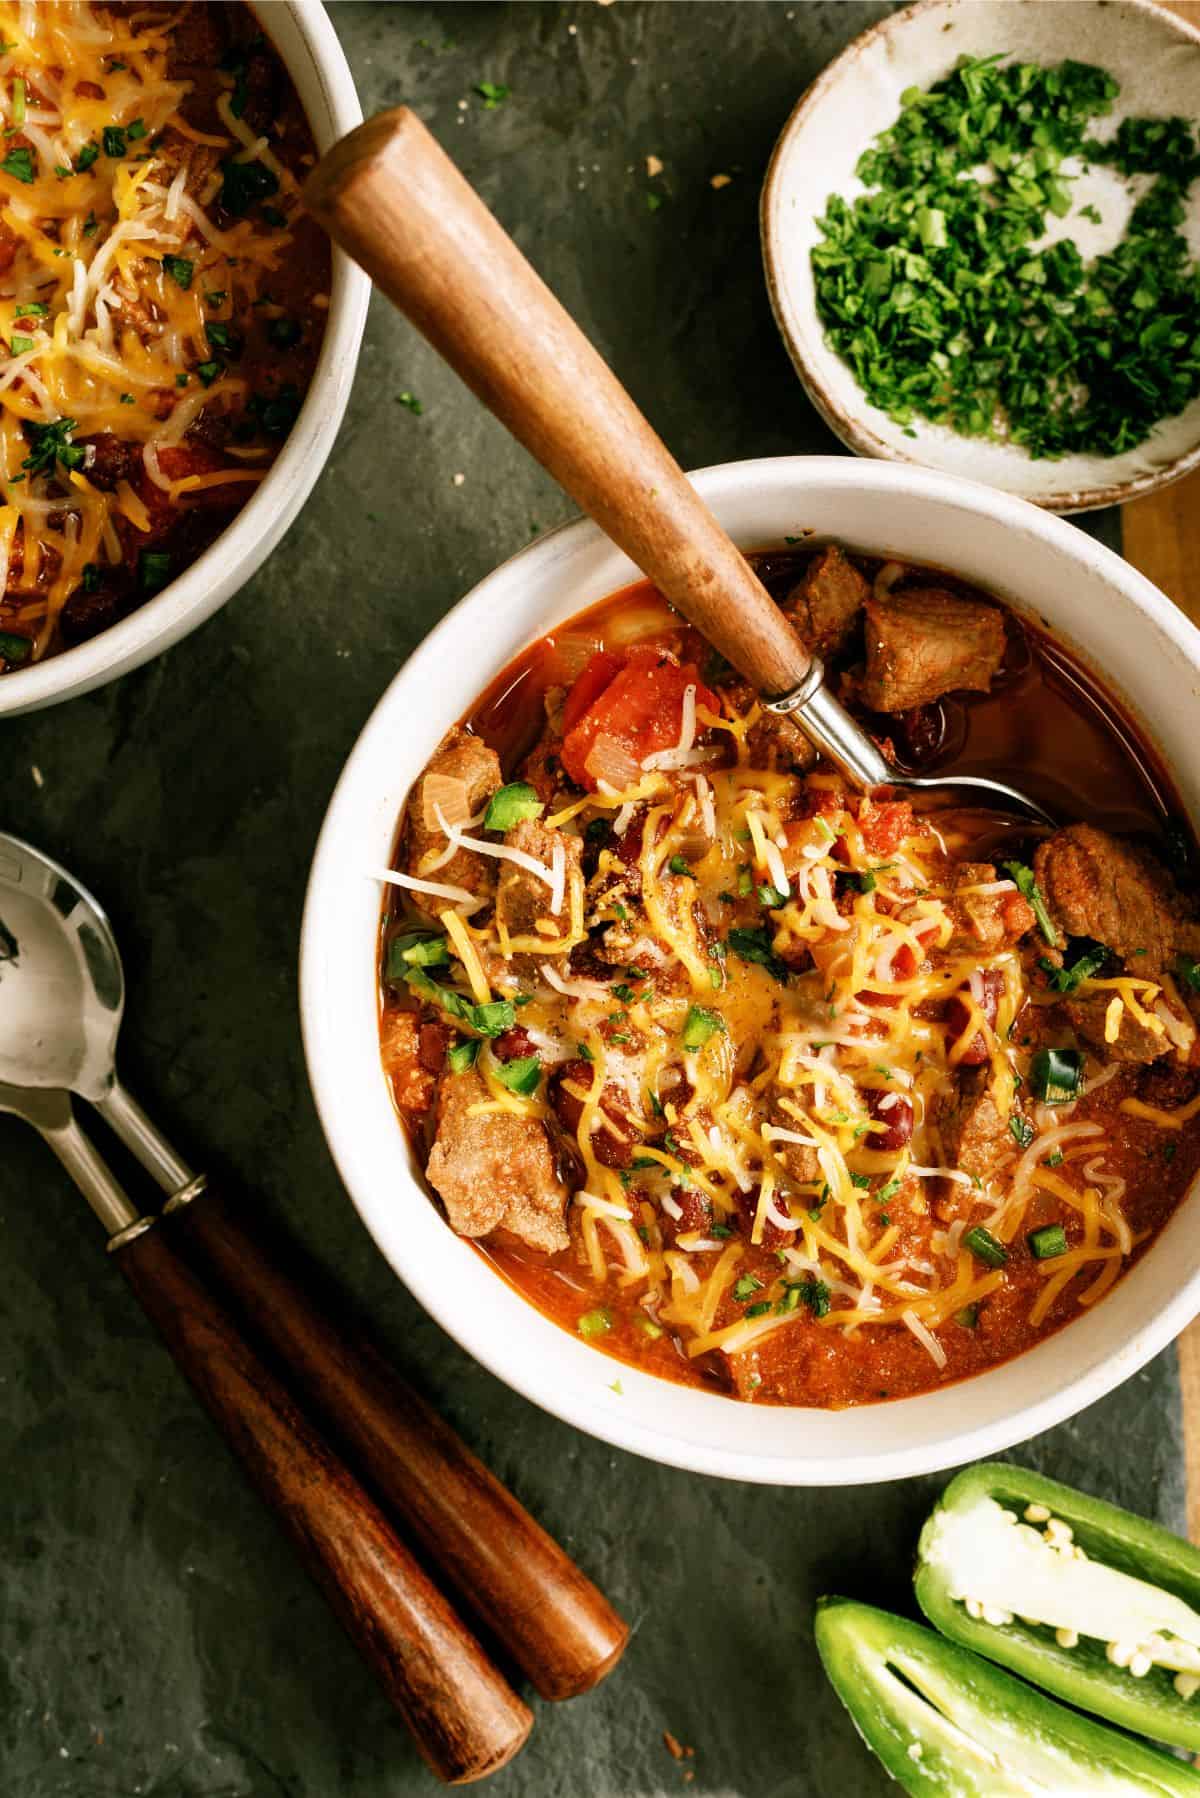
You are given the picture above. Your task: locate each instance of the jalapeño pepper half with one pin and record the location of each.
(946, 1724)
(1098, 1606)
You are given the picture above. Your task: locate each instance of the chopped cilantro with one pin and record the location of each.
(86, 158)
(759, 1310)
(1021, 1129)
(284, 333)
(243, 185)
(20, 344)
(208, 371)
(679, 864)
(113, 139)
(32, 309)
(413, 404)
(19, 164)
(1187, 970)
(492, 93)
(1028, 887)
(180, 269)
(1088, 961)
(51, 444)
(583, 1052)
(746, 1287)
(754, 946)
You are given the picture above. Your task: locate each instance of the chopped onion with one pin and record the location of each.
(609, 761)
(444, 796)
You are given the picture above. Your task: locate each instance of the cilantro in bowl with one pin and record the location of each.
(955, 291)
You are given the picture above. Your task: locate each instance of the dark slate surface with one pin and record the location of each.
(155, 1636)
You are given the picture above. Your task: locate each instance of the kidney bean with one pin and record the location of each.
(958, 1014)
(893, 1110)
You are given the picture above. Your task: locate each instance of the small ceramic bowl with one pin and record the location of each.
(309, 48)
(1156, 59)
(1097, 605)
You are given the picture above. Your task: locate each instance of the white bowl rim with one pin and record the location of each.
(234, 556)
(557, 1397)
(852, 429)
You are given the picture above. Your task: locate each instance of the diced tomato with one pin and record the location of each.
(884, 824)
(638, 705)
(599, 670)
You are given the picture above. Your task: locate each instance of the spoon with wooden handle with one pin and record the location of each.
(392, 198)
(64, 998)
(465, 1718)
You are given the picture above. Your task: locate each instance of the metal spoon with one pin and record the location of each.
(62, 998)
(393, 199)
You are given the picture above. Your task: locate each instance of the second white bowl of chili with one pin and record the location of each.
(217, 363)
(1105, 617)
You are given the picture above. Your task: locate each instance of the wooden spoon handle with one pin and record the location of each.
(466, 1720)
(554, 1622)
(393, 199)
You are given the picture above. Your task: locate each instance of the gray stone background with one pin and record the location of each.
(155, 1635)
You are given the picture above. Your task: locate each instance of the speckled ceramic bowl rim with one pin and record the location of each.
(517, 602)
(853, 429)
(314, 57)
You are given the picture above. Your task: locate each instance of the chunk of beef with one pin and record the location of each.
(1095, 885)
(459, 756)
(400, 1045)
(799, 1159)
(987, 922)
(772, 741)
(1135, 1042)
(523, 899)
(826, 602)
(110, 459)
(974, 1135)
(926, 642)
(495, 1171)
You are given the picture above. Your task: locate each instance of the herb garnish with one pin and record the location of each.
(940, 292)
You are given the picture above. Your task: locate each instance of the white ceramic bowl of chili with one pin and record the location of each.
(308, 46)
(1108, 615)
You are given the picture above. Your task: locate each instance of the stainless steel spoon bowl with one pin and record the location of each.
(62, 997)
